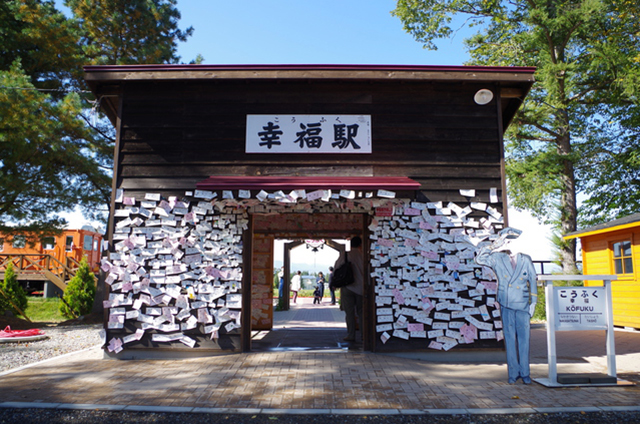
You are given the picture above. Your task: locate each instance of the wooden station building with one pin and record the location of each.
(212, 163)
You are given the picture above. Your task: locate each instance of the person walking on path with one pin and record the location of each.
(351, 295)
(331, 288)
(318, 294)
(295, 285)
(281, 283)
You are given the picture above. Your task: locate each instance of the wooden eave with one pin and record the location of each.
(626, 223)
(514, 82)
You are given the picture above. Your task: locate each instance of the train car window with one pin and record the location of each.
(48, 243)
(95, 245)
(88, 243)
(68, 244)
(19, 242)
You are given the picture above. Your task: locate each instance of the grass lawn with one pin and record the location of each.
(44, 310)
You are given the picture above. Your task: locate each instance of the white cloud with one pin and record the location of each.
(77, 221)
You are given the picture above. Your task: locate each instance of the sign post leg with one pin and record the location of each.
(611, 349)
(551, 333)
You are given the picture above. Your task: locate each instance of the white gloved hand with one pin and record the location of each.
(532, 309)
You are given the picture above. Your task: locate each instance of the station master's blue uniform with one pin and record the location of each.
(517, 296)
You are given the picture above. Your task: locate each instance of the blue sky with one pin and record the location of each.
(304, 31)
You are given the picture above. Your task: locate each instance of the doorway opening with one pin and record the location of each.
(310, 322)
(278, 322)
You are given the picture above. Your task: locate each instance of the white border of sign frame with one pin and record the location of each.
(308, 134)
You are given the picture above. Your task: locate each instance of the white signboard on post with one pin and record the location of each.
(577, 309)
(305, 134)
(580, 308)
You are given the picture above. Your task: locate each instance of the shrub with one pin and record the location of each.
(540, 313)
(79, 293)
(13, 292)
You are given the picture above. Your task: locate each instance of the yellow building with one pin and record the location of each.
(614, 248)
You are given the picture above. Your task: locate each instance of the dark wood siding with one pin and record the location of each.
(176, 133)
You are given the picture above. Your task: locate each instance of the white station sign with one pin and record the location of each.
(581, 308)
(341, 134)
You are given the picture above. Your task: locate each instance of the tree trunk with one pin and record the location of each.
(568, 205)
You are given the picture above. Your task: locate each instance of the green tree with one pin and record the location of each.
(612, 170)
(129, 31)
(55, 148)
(49, 159)
(578, 120)
(53, 155)
(12, 294)
(44, 41)
(80, 292)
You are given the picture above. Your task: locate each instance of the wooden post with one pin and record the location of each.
(247, 263)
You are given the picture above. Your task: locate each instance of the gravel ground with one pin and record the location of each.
(62, 339)
(25, 416)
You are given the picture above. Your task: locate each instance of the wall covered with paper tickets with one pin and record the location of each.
(176, 272)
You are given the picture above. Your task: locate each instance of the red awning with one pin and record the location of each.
(281, 183)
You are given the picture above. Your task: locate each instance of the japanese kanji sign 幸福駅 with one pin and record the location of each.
(308, 134)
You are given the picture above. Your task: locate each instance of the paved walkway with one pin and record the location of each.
(326, 382)
(303, 327)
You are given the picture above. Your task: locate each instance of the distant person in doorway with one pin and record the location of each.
(295, 285)
(281, 283)
(331, 288)
(318, 293)
(351, 295)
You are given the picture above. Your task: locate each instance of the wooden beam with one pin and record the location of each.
(465, 74)
(512, 93)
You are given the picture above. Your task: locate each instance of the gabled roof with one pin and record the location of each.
(107, 81)
(630, 221)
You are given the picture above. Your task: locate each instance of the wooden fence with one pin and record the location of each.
(40, 267)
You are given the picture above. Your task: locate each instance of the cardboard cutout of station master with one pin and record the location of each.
(517, 297)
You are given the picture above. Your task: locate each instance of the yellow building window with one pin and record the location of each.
(622, 261)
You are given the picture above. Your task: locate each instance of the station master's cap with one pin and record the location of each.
(510, 233)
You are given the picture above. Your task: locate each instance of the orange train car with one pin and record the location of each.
(50, 253)
(69, 244)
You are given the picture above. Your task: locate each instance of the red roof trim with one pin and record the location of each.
(333, 183)
(420, 68)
